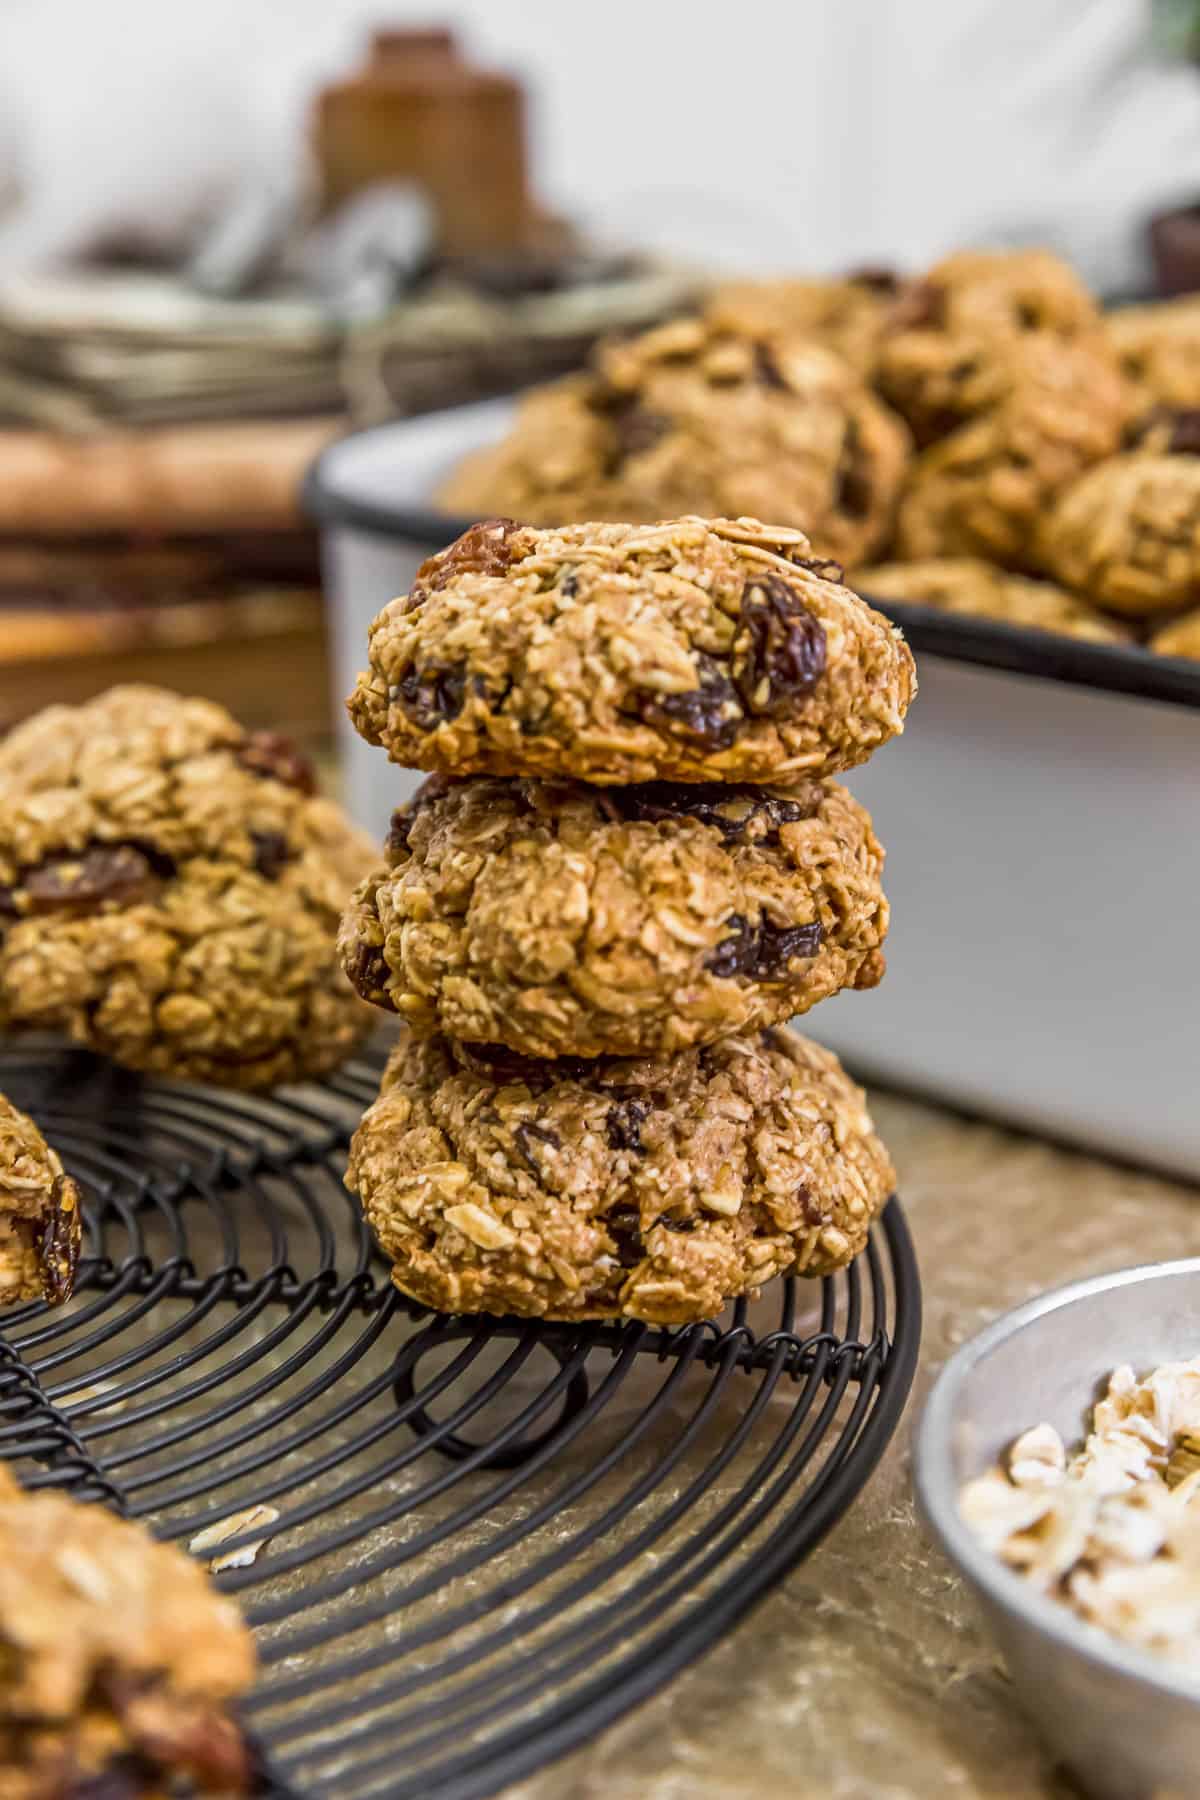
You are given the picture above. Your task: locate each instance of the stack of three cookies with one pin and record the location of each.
(629, 866)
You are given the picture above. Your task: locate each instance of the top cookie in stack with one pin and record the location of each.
(629, 866)
(686, 651)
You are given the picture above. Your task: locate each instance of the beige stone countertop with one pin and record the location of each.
(866, 1674)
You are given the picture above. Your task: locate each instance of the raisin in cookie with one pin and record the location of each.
(845, 313)
(1128, 531)
(689, 651)
(697, 418)
(170, 891)
(564, 920)
(984, 489)
(1158, 349)
(41, 1220)
(967, 585)
(945, 355)
(121, 1661)
(660, 1189)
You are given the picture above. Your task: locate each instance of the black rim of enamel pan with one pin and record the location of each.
(1113, 668)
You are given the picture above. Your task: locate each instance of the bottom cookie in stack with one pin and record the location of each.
(657, 1189)
(120, 1661)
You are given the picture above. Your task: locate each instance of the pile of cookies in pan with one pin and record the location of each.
(629, 865)
(983, 439)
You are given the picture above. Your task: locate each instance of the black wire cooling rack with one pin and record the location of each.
(464, 1545)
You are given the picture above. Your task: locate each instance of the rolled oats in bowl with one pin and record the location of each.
(1112, 1530)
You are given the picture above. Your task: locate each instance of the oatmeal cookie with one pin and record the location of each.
(1128, 533)
(1158, 349)
(1180, 638)
(689, 651)
(845, 313)
(549, 467)
(695, 418)
(170, 891)
(121, 1661)
(658, 1189)
(945, 355)
(41, 1219)
(983, 490)
(564, 920)
(966, 585)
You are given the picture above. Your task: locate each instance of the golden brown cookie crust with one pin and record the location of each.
(657, 1189)
(688, 651)
(170, 890)
(1158, 349)
(119, 1656)
(546, 467)
(845, 313)
(566, 920)
(41, 1215)
(945, 354)
(984, 490)
(979, 589)
(695, 417)
(1128, 533)
(1180, 638)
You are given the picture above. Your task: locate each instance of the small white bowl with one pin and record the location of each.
(1125, 1724)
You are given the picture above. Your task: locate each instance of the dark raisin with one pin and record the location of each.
(272, 853)
(496, 1062)
(276, 758)
(737, 812)
(60, 1238)
(635, 430)
(877, 278)
(779, 945)
(434, 788)
(204, 1741)
(486, 549)
(921, 307)
(367, 969)
(67, 882)
(1172, 429)
(824, 567)
(762, 952)
(623, 1123)
(529, 1133)
(779, 653)
(126, 1778)
(813, 1214)
(625, 1228)
(766, 368)
(432, 697)
(735, 954)
(8, 903)
(395, 845)
(709, 712)
(1185, 432)
(853, 493)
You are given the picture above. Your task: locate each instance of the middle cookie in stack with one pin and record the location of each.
(670, 1152)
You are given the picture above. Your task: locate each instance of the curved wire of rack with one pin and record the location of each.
(464, 1544)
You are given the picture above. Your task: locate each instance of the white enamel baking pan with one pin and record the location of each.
(1042, 818)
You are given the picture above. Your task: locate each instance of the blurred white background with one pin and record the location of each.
(807, 134)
